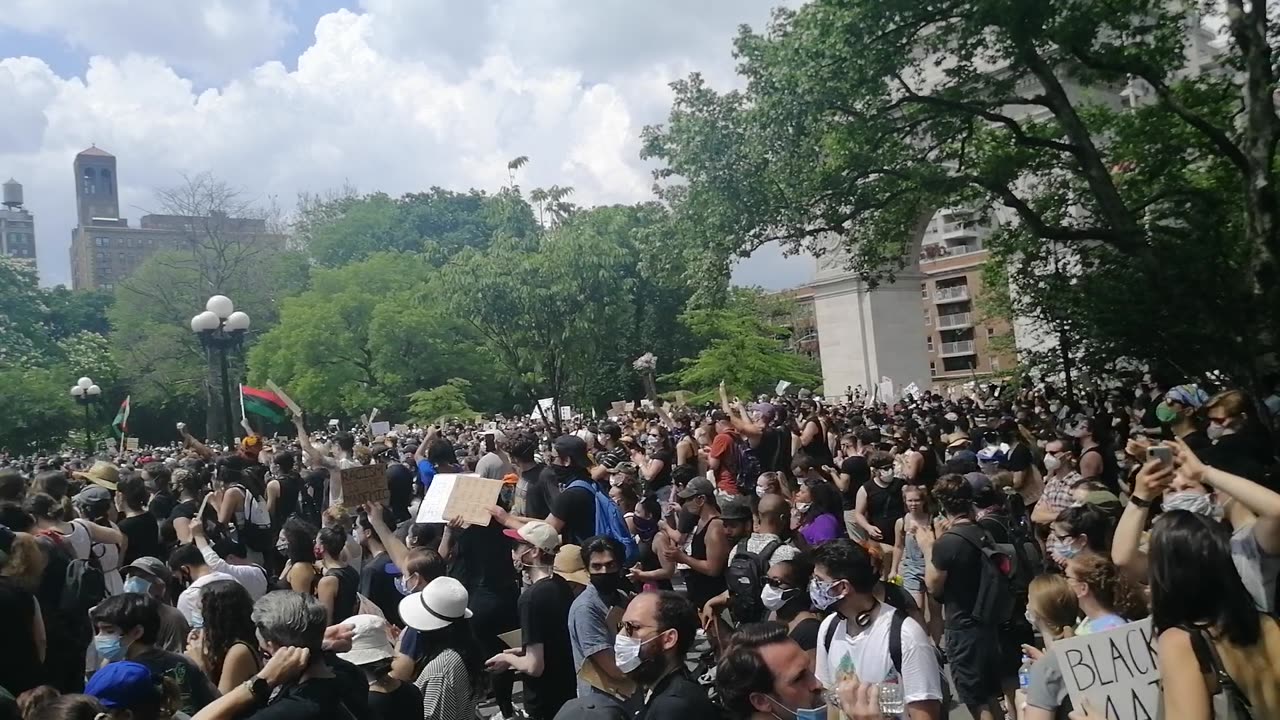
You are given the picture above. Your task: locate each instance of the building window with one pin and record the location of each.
(995, 364)
(108, 286)
(933, 369)
(928, 318)
(924, 290)
(991, 332)
(928, 343)
(90, 181)
(104, 181)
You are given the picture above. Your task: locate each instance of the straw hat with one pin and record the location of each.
(103, 474)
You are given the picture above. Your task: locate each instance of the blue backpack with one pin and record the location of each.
(609, 520)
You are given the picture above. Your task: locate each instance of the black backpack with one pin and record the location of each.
(84, 583)
(1027, 557)
(895, 651)
(746, 466)
(744, 577)
(995, 601)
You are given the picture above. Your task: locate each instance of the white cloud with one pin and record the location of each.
(369, 106)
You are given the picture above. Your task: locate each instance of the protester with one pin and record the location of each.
(21, 565)
(193, 573)
(372, 652)
(149, 576)
(339, 583)
(231, 558)
(657, 631)
(1052, 608)
(139, 526)
(132, 691)
(225, 647)
(764, 671)
(452, 673)
(706, 548)
(591, 635)
(786, 596)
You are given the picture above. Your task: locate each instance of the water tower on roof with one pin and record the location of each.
(13, 194)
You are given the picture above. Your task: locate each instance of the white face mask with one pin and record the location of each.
(775, 597)
(1194, 503)
(626, 652)
(761, 490)
(1052, 463)
(1217, 432)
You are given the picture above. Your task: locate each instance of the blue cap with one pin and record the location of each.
(124, 684)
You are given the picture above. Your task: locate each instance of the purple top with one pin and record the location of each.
(823, 528)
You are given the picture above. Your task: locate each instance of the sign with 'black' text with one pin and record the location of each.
(1114, 670)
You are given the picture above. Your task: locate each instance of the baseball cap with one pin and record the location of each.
(536, 533)
(735, 510)
(572, 447)
(92, 495)
(979, 482)
(697, 486)
(125, 684)
(568, 565)
(765, 410)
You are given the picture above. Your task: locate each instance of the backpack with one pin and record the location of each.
(255, 533)
(746, 467)
(745, 579)
(994, 603)
(609, 520)
(1028, 558)
(85, 584)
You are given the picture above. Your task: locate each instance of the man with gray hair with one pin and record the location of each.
(299, 681)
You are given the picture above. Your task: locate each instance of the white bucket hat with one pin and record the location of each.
(370, 643)
(440, 604)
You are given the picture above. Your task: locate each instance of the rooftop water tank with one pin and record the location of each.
(13, 193)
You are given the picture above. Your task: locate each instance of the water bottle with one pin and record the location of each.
(1024, 672)
(891, 699)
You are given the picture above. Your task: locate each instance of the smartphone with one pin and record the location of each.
(1163, 453)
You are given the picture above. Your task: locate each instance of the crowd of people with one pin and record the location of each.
(784, 558)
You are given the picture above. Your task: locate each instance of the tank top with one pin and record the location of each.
(1110, 469)
(818, 449)
(912, 564)
(701, 588)
(346, 603)
(884, 506)
(287, 503)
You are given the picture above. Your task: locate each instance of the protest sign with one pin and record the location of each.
(1114, 670)
(288, 401)
(333, 422)
(513, 639)
(885, 390)
(782, 387)
(401, 429)
(382, 427)
(547, 408)
(913, 390)
(468, 496)
(366, 483)
(629, 407)
(618, 407)
(111, 445)
(131, 443)
(566, 412)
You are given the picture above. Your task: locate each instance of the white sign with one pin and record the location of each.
(401, 429)
(1115, 671)
(288, 401)
(913, 390)
(382, 427)
(547, 408)
(886, 390)
(782, 387)
(111, 445)
(566, 412)
(468, 496)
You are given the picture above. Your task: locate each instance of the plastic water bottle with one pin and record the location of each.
(891, 700)
(1024, 672)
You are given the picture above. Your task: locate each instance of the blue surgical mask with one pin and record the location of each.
(818, 712)
(135, 584)
(1062, 549)
(821, 593)
(109, 647)
(197, 619)
(1194, 503)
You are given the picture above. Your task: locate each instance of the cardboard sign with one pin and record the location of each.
(379, 428)
(401, 429)
(618, 407)
(782, 387)
(513, 639)
(288, 401)
(131, 443)
(547, 408)
(366, 483)
(1114, 670)
(468, 496)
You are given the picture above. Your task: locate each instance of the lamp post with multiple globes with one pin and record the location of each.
(85, 392)
(222, 328)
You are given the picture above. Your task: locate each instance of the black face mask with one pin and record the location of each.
(606, 583)
(686, 522)
(565, 474)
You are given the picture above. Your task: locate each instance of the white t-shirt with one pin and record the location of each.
(867, 655)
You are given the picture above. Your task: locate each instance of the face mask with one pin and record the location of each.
(687, 522)
(1194, 503)
(616, 481)
(775, 597)
(1166, 414)
(1216, 431)
(135, 584)
(1052, 463)
(197, 619)
(820, 592)
(803, 507)
(1063, 550)
(626, 652)
(109, 647)
(818, 712)
(403, 587)
(1031, 618)
(606, 583)
(761, 490)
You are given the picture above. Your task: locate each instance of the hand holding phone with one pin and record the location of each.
(1162, 453)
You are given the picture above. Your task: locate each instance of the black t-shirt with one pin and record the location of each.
(962, 562)
(675, 696)
(482, 559)
(541, 490)
(287, 503)
(195, 690)
(316, 699)
(403, 702)
(859, 472)
(771, 453)
(380, 586)
(144, 537)
(20, 668)
(805, 633)
(577, 508)
(161, 505)
(185, 509)
(1019, 459)
(1197, 440)
(662, 479)
(544, 620)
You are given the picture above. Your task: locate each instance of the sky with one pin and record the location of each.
(279, 97)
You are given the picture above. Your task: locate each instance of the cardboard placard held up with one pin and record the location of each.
(1114, 670)
(382, 427)
(131, 443)
(591, 675)
(367, 483)
(401, 429)
(468, 496)
(617, 408)
(288, 401)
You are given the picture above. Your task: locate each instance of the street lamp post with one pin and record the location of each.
(221, 327)
(86, 393)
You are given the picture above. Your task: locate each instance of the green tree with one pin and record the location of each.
(443, 401)
(39, 413)
(861, 118)
(744, 349)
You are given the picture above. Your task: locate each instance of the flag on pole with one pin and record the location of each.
(121, 423)
(262, 403)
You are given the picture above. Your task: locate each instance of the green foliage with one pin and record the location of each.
(744, 349)
(441, 402)
(367, 335)
(38, 411)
